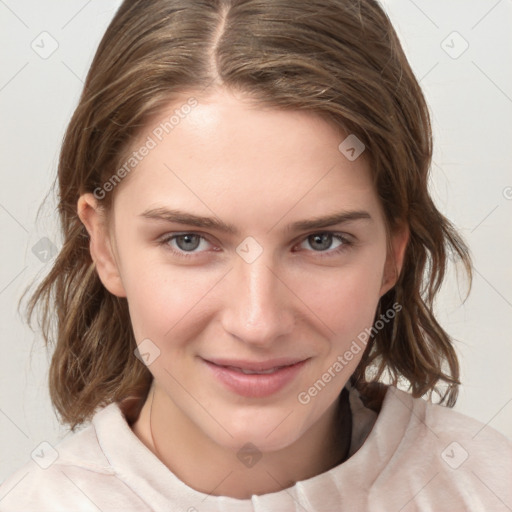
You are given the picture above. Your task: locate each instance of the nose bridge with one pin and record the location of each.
(258, 307)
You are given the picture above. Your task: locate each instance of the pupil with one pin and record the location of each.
(324, 239)
(188, 239)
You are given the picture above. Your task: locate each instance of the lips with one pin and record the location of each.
(256, 366)
(255, 379)
(255, 372)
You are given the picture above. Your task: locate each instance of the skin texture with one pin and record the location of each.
(260, 170)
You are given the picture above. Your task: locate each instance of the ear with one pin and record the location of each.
(93, 217)
(395, 257)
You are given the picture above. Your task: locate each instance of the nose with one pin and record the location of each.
(258, 308)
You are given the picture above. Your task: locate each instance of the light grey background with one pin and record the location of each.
(469, 91)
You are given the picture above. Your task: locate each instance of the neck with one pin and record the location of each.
(212, 469)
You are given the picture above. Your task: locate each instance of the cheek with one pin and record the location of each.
(168, 301)
(163, 299)
(344, 299)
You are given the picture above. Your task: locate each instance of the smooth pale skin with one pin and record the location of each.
(259, 169)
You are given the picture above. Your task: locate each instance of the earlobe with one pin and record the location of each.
(395, 258)
(93, 217)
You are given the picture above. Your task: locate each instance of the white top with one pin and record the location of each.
(417, 457)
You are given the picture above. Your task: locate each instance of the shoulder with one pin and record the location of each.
(441, 424)
(75, 474)
(446, 457)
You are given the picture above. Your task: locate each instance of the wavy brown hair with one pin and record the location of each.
(338, 58)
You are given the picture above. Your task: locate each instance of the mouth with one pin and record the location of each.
(255, 372)
(255, 379)
(257, 366)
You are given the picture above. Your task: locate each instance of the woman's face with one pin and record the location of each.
(270, 291)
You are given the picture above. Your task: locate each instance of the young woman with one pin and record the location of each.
(248, 272)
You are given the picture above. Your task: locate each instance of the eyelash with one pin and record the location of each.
(346, 244)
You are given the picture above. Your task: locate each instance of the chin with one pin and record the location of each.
(267, 430)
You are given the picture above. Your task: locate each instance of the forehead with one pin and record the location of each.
(227, 150)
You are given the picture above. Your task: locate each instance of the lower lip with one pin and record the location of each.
(255, 385)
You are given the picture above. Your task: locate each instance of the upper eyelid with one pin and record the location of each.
(174, 234)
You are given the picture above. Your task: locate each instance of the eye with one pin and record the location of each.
(321, 242)
(185, 243)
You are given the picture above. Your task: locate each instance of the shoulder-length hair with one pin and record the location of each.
(338, 58)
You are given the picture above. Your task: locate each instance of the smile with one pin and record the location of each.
(254, 372)
(255, 380)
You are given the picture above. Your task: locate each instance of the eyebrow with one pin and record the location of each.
(186, 218)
